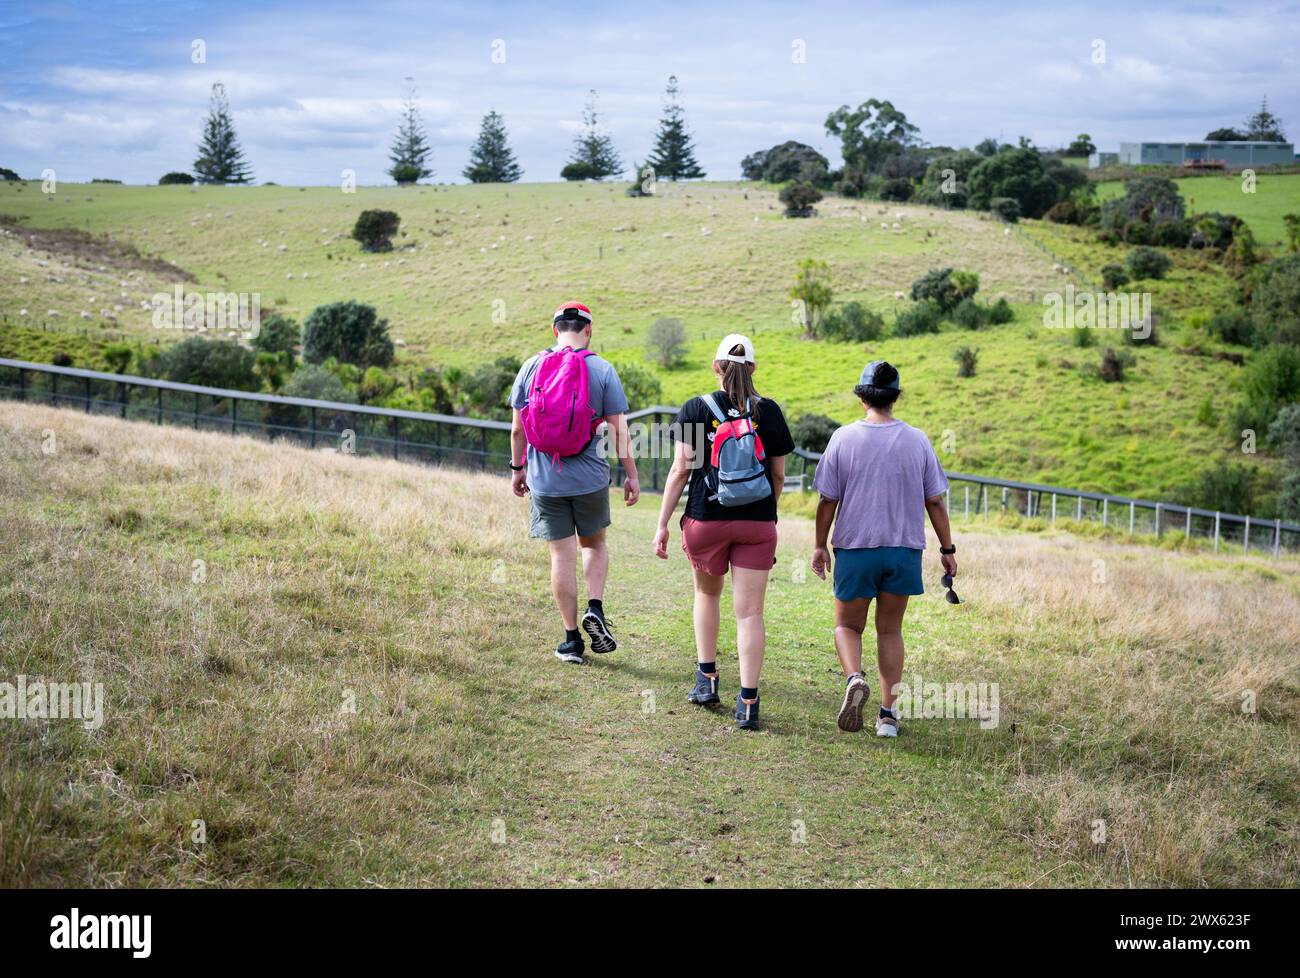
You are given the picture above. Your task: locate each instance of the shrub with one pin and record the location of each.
(1148, 263)
(1231, 326)
(487, 387)
(1001, 312)
(62, 359)
(1224, 487)
(799, 198)
(788, 161)
(1284, 433)
(945, 287)
(1212, 230)
(1148, 200)
(1062, 212)
(1274, 294)
(899, 189)
(406, 173)
(812, 432)
(1113, 277)
(1172, 234)
(118, 357)
(853, 323)
(969, 314)
(348, 331)
(375, 228)
(8, 174)
(318, 384)
(1272, 379)
(210, 363)
(921, 318)
(1113, 364)
(174, 177)
(1006, 209)
(666, 342)
(1137, 233)
(966, 359)
(278, 334)
(1082, 338)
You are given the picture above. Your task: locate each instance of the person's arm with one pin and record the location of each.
(938, 514)
(778, 476)
(623, 448)
(518, 454)
(678, 476)
(821, 558)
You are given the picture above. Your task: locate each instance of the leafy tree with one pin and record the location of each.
(1224, 487)
(673, 156)
(1284, 436)
(1082, 146)
(812, 288)
(1264, 126)
(666, 342)
(1225, 135)
(812, 432)
(871, 133)
(1017, 174)
(790, 160)
(351, 332)
(375, 229)
(1274, 293)
(896, 189)
(8, 174)
(220, 160)
(410, 150)
(594, 157)
(799, 198)
(278, 334)
(1149, 200)
(1006, 209)
(1146, 262)
(945, 287)
(487, 387)
(174, 178)
(209, 363)
(944, 183)
(490, 158)
(1272, 380)
(987, 147)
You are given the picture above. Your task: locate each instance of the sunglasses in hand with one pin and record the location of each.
(951, 596)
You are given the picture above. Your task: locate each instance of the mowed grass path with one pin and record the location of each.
(474, 758)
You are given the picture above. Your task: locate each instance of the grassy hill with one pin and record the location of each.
(480, 268)
(414, 593)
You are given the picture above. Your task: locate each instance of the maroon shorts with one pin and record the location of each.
(715, 545)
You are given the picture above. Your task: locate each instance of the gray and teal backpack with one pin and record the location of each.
(735, 476)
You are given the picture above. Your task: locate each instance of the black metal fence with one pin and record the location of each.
(476, 443)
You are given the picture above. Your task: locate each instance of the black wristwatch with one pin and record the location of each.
(948, 551)
(517, 468)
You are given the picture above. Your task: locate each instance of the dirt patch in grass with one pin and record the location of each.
(70, 244)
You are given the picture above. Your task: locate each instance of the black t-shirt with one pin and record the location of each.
(695, 425)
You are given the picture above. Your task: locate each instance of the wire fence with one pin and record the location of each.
(475, 443)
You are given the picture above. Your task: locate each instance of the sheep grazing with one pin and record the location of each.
(899, 296)
(884, 226)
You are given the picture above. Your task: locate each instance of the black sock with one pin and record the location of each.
(572, 635)
(708, 668)
(886, 712)
(748, 694)
(595, 603)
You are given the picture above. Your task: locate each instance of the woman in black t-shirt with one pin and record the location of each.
(717, 537)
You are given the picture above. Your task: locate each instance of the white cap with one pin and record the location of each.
(731, 341)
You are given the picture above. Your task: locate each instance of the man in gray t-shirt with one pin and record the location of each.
(570, 496)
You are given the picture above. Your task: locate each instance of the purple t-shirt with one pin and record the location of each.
(881, 474)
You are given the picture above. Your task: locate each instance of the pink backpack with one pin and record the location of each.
(557, 418)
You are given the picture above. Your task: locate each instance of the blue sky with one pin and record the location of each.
(109, 89)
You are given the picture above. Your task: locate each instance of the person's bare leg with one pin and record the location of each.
(708, 601)
(889, 644)
(749, 587)
(850, 620)
(595, 564)
(564, 579)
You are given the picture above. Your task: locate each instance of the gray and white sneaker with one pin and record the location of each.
(856, 694)
(597, 629)
(886, 726)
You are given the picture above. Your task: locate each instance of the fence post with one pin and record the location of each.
(1245, 540)
(984, 506)
(159, 390)
(1216, 531)
(1105, 513)
(54, 388)
(313, 426)
(483, 446)
(1053, 508)
(1078, 508)
(196, 410)
(1132, 510)
(968, 502)
(126, 396)
(1158, 505)
(87, 395)
(234, 417)
(392, 433)
(1004, 498)
(1189, 523)
(1277, 537)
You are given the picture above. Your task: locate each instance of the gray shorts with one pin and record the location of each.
(559, 517)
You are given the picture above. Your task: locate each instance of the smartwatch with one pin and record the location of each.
(948, 551)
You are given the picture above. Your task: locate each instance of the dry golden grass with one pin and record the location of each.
(415, 592)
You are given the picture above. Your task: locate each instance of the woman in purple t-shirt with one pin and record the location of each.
(878, 479)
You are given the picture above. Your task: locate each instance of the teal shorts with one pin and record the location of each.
(865, 572)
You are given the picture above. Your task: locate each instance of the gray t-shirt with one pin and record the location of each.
(587, 471)
(882, 474)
